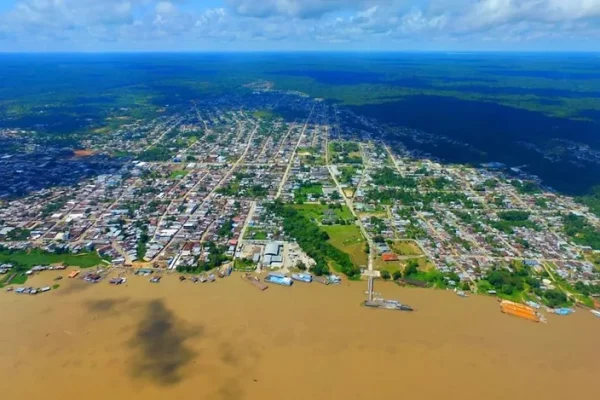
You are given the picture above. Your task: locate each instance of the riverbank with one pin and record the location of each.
(227, 340)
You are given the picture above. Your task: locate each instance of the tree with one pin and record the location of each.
(301, 266)
(412, 268)
(385, 275)
(397, 275)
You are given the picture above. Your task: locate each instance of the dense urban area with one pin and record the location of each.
(279, 181)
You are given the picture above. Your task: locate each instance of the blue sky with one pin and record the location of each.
(325, 25)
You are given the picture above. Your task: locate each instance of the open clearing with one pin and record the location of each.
(348, 239)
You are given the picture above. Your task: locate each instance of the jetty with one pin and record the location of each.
(254, 281)
(380, 302)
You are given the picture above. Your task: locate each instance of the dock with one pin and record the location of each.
(253, 280)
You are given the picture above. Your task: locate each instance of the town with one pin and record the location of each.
(233, 181)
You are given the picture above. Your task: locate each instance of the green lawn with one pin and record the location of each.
(258, 234)
(315, 188)
(178, 174)
(348, 239)
(38, 257)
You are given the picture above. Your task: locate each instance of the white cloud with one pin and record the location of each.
(307, 22)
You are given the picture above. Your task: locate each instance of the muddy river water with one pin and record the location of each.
(229, 341)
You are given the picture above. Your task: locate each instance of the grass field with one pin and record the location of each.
(255, 234)
(406, 249)
(317, 211)
(424, 265)
(315, 188)
(348, 239)
(38, 257)
(178, 174)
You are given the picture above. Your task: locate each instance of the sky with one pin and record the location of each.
(302, 25)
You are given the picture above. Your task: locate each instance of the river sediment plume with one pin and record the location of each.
(227, 340)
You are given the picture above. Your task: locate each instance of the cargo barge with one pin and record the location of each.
(254, 281)
(521, 311)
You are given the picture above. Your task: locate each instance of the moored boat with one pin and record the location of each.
(308, 278)
(279, 279)
(596, 313)
(388, 305)
(211, 277)
(155, 279)
(117, 281)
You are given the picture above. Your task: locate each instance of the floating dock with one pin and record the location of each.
(255, 281)
(520, 310)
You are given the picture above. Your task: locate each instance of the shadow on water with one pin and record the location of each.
(161, 354)
(106, 306)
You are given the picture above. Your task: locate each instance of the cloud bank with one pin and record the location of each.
(300, 24)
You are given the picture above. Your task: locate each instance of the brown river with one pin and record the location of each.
(229, 341)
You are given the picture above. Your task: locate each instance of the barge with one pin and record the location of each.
(254, 281)
(521, 311)
(388, 305)
(279, 279)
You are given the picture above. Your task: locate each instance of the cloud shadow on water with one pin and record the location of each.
(160, 352)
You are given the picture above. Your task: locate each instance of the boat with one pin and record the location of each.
(155, 279)
(320, 279)
(93, 278)
(225, 271)
(596, 313)
(182, 278)
(211, 277)
(302, 277)
(194, 279)
(521, 311)
(255, 281)
(10, 289)
(117, 281)
(533, 304)
(20, 290)
(74, 274)
(58, 278)
(279, 279)
(45, 289)
(563, 311)
(334, 280)
(388, 305)
(33, 291)
(461, 293)
(202, 279)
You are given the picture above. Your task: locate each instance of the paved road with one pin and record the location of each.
(350, 206)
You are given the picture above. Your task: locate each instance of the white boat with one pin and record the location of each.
(596, 313)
